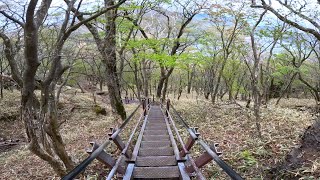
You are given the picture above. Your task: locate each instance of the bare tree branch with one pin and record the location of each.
(300, 14)
(12, 18)
(286, 20)
(42, 11)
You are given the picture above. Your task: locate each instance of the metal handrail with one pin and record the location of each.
(115, 167)
(115, 134)
(233, 174)
(177, 132)
(185, 124)
(226, 168)
(79, 168)
(197, 170)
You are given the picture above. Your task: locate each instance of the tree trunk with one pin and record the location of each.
(136, 78)
(165, 88)
(110, 61)
(287, 87)
(1, 78)
(150, 88)
(215, 92)
(160, 85)
(38, 125)
(100, 84)
(145, 76)
(180, 87)
(216, 88)
(208, 87)
(314, 92)
(107, 49)
(190, 78)
(230, 95)
(254, 78)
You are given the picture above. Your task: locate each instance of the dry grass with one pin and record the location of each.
(234, 129)
(81, 126)
(227, 124)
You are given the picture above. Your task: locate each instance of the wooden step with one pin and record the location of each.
(156, 172)
(155, 137)
(154, 161)
(155, 144)
(156, 152)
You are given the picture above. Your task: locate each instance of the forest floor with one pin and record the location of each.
(284, 152)
(227, 124)
(82, 125)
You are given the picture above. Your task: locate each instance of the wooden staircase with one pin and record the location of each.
(155, 155)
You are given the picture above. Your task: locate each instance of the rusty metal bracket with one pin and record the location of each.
(190, 142)
(204, 158)
(104, 157)
(119, 143)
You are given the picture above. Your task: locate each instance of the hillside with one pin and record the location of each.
(227, 124)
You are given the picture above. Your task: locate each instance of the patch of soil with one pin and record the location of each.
(304, 155)
(12, 132)
(10, 144)
(9, 117)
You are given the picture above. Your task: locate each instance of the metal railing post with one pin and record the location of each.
(168, 107)
(104, 157)
(98, 151)
(118, 141)
(190, 142)
(144, 106)
(210, 152)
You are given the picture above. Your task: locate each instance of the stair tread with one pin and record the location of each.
(155, 144)
(155, 132)
(156, 127)
(155, 161)
(155, 137)
(156, 172)
(168, 151)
